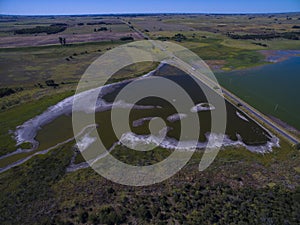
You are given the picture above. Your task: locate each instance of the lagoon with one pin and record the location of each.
(273, 89)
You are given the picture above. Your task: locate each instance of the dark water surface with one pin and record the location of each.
(239, 126)
(272, 89)
(249, 131)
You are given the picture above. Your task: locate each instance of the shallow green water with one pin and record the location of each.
(273, 89)
(250, 132)
(60, 129)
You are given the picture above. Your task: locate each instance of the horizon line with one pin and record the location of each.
(153, 13)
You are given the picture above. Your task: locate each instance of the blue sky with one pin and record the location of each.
(40, 7)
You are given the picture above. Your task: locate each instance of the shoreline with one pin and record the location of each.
(28, 130)
(282, 55)
(284, 125)
(271, 57)
(133, 140)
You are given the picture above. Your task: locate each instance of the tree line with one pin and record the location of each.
(52, 29)
(286, 35)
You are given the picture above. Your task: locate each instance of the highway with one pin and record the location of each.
(278, 129)
(210, 83)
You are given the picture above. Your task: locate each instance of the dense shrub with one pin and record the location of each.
(126, 38)
(286, 35)
(108, 215)
(52, 29)
(9, 91)
(101, 29)
(6, 92)
(51, 83)
(95, 23)
(179, 37)
(260, 44)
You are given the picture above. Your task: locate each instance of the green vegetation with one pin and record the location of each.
(52, 29)
(25, 145)
(235, 58)
(212, 48)
(139, 158)
(28, 69)
(51, 83)
(10, 118)
(132, 71)
(177, 37)
(260, 44)
(126, 38)
(9, 91)
(235, 189)
(211, 36)
(30, 196)
(19, 114)
(62, 41)
(101, 29)
(286, 35)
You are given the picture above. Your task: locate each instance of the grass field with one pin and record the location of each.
(235, 54)
(76, 29)
(207, 35)
(28, 68)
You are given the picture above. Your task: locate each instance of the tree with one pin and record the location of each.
(179, 37)
(51, 83)
(126, 38)
(62, 41)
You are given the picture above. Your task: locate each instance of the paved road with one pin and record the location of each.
(262, 118)
(208, 82)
